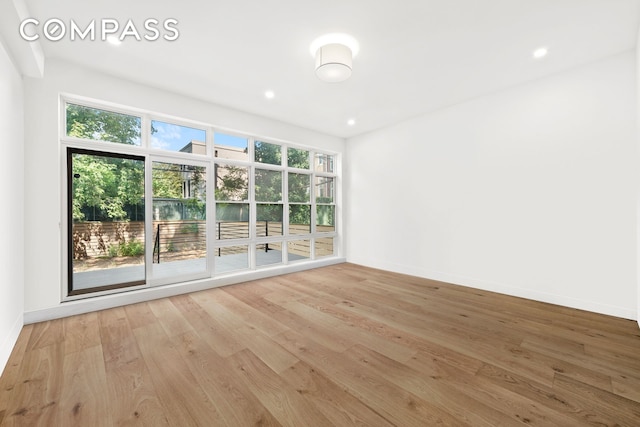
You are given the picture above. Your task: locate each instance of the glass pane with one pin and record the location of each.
(107, 234)
(232, 221)
(297, 158)
(299, 187)
(324, 189)
(180, 219)
(102, 125)
(232, 183)
(230, 146)
(268, 153)
(269, 220)
(299, 250)
(324, 247)
(268, 254)
(268, 185)
(299, 219)
(231, 258)
(323, 163)
(325, 218)
(167, 136)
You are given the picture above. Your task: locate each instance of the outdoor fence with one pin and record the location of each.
(100, 239)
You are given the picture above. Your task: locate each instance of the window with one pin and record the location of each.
(230, 146)
(102, 125)
(325, 208)
(167, 136)
(274, 203)
(268, 153)
(323, 163)
(297, 158)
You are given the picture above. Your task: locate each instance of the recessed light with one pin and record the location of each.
(540, 52)
(351, 122)
(114, 40)
(269, 94)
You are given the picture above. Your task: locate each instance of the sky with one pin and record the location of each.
(172, 137)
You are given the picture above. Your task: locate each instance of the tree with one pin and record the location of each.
(104, 186)
(102, 125)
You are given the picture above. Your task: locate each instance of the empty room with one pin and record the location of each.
(296, 213)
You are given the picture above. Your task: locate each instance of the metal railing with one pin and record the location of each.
(178, 236)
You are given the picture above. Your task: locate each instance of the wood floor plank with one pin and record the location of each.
(45, 334)
(432, 388)
(624, 411)
(82, 401)
(213, 332)
(340, 407)
(236, 402)
(11, 374)
(578, 409)
(183, 400)
(140, 315)
(249, 335)
(35, 399)
(169, 316)
(252, 317)
(338, 345)
(289, 406)
(130, 392)
(393, 403)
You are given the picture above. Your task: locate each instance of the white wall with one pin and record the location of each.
(638, 167)
(11, 213)
(530, 191)
(43, 267)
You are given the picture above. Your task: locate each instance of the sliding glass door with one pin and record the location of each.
(106, 221)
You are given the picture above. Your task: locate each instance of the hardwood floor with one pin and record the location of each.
(341, 345)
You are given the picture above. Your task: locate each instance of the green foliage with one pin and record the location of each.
(325, 215)
(167, 180)
(269, 213)
(268, 185)
(113, 250)
(132, 249)
(190, 228)
(92, 123)
(297, 158)
(268, 153)
(106, 184)
(231, 183)
(300, 214)
(299, 185)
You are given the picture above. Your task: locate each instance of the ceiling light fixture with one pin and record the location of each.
(269, 94)
(351, 122)
(540, 52)
(334, 54)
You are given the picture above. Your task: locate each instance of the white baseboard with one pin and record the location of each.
(10, 342)
(595, 307)
(71, 308)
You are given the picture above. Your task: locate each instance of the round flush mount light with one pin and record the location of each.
(540, 52)
(351, 122)
(269, 94)
(334, 54)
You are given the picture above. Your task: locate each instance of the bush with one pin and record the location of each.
(132, 248)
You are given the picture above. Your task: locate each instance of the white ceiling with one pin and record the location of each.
(415, 56)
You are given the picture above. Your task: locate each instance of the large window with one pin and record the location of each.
(152, 200)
